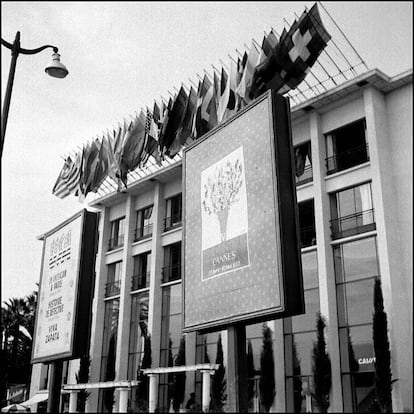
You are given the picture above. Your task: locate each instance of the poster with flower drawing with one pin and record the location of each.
(224, 218)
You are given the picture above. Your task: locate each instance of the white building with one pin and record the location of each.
(355, 207)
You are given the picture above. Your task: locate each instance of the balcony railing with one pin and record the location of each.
(306, 177)
(353, 224)
(172, 221)
(143, 232)
(347, 159)
(170, 273)
(116, 242)
(140, 281)
(307, 236)
(112, 288)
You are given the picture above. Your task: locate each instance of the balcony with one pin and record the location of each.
(307, 236)
(142, 233)
(116, 242)
(306, 177)
(347, 159)
(140, 281)
(172, 221)
(353, 224)
(170, 273)
(112, 288)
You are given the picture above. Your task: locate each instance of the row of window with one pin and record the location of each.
(141, 274)
(352, 213)
(356, 266)
(346, 147)
(144, 220)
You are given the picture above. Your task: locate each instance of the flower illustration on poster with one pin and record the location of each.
(224, 215)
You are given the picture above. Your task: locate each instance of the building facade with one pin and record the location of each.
(353, 153)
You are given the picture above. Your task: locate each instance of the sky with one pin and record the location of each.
(122, 56)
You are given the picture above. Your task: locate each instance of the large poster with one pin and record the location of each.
(240, 222)
(224, 222)
(60, 282)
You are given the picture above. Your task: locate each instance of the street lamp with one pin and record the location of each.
(55, 69)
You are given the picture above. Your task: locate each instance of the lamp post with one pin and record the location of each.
(55, 69)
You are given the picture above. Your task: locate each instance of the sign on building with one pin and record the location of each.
(241, 240)
(65, 289)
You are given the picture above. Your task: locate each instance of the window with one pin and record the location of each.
(352, 211)
(173, 212)
(172, 263)
(303, 163)
(356, 266)
(307, 224)
(117, 233)
(299, 336)
(143, 229)
(113, 285)
(108, 359)
(138, 332)
(170, 340)
(142, 271)
(346, 147)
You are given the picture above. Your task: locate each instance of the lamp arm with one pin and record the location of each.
(7, 44)
(28, 51)
(39, 49)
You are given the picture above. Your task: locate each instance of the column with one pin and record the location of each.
(153, 392)
(206, 389)
(390, 234)
(157, 260)
(73, 400)
(123, 400)
(122, 343)
(97, 309)
(326, 271)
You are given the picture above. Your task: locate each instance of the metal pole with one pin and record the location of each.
(237, 369)
(6, 105)
(55, 385)
(206, 390)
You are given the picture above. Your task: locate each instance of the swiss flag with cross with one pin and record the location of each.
(294, 54)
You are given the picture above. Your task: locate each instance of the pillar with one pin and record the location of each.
(153, 392)
(206, 390)
(73, 400)
(123, 400)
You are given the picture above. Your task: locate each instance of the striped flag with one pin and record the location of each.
(69, 177)
(244, 86)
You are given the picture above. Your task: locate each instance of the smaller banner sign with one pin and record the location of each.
(65, 261)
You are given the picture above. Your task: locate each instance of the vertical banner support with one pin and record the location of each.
(55, 385)
(237, 368)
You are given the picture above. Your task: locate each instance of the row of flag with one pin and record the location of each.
(278, 64)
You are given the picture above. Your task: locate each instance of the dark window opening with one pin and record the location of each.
(117, 234)
(143, 229)
(307, 223)
(303, 163)
(173, 212)
(172, 263)
(346, 147)
(141, 276)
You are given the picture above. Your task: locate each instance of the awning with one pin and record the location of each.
(37, 398)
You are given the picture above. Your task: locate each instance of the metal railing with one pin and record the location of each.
(307, 236)
(352, 224)
(347, 159)
(116, 242)
(170, 273)
(140, 281)
(112, 288)
(306, 177)
(143, 232)
(172, 221)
